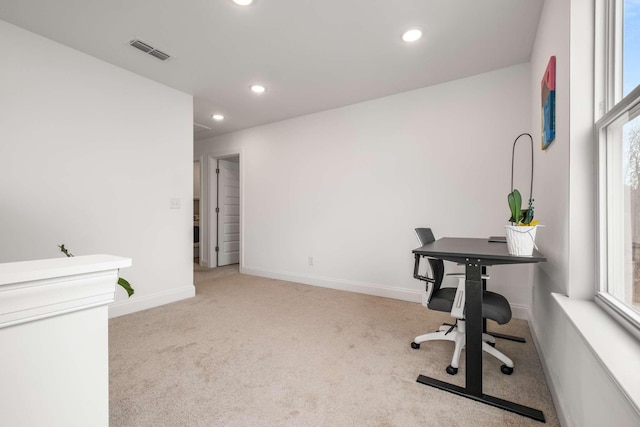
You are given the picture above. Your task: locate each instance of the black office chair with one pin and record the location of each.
(494, 307)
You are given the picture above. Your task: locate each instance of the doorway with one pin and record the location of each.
(196, 211)
(227, 210)
(221, 209)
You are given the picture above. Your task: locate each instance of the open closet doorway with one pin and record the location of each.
(225, 219)
(197, 256)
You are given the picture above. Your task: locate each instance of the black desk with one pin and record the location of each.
(476, 254)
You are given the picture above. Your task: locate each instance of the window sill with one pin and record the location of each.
(615, 348)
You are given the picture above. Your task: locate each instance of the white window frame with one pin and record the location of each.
(611, 110)
(610, 196)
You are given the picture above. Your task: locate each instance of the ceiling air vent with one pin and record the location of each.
(147, 48)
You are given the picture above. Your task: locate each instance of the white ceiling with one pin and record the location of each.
(312, 55)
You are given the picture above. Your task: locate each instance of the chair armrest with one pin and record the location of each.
(484, 276)
(457, 310)
(428, 289)
(416, 266)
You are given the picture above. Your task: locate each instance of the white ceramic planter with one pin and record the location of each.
(521, 239)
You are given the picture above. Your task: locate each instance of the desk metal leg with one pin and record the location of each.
(484, 398)
(506, 337)
(474, 328)
(473, 325)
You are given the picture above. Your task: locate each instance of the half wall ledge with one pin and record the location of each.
(32, 290)
(54, 363)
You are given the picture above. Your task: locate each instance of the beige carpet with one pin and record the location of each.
(249, 351)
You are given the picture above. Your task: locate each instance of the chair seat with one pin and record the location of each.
(442, 299)
(494, 306)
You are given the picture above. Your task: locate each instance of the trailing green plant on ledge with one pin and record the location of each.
(520, 216)
(122, 282)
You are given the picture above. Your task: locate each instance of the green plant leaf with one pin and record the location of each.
(127, 287)
(515, 205)
(527, 214)
(65, 251)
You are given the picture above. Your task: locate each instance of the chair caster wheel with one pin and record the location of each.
(506, 370)
(451, 370)
(492, 344)
(415, 346)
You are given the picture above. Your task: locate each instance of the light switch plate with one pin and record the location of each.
(174, 203)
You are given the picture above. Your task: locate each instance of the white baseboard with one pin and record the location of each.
(403, 294)
(556, 393)
(519, 311)
(134, 304)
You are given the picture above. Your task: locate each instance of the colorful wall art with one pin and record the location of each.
(549, 103)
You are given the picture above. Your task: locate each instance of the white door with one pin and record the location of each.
(229, 212)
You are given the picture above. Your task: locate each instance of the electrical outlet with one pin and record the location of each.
(311, 260)
(425, 301)
(174, 203)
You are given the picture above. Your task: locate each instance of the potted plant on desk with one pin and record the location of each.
(521, 233)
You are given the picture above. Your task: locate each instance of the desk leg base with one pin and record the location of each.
(506, 337)
(484, 398)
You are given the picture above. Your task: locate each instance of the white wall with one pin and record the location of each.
(348, 186)
(584, 390)
(552, 166)
(91, 155)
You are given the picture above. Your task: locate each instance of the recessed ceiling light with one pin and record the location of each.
(217, 117)
(412, 34)
(243, 2)
(258, 88)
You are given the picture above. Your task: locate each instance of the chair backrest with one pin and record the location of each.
(425, 236)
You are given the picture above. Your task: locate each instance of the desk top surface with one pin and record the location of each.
(458, 249)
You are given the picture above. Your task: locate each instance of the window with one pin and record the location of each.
(618, 140)
(630, 46)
